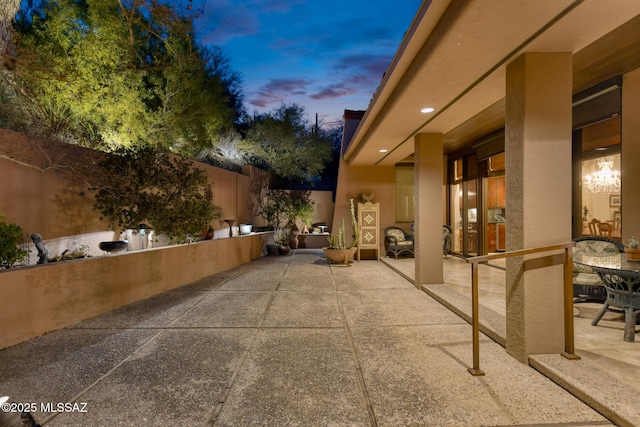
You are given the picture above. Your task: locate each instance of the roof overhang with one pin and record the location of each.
(453, 58)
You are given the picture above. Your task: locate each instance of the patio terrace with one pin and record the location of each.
(292, 340)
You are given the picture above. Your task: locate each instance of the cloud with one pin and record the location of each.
(331, 92)
(277, 90)
(351, 74)
(223, 20)
(312, 53)
(220, 22)
(350, 84)
(369, 64)
(282, 6)
(329, 38)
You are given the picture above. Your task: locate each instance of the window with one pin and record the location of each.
(404, 193)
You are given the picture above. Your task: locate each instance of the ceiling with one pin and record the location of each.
(454, 56)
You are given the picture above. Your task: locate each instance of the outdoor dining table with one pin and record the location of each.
(621, 279)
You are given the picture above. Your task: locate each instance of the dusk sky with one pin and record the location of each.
(325, 55)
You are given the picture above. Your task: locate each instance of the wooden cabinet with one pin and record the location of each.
(496, 237)
(369, 224)
(495, 203)
(492, 244)
(496, 191)
(501, 234)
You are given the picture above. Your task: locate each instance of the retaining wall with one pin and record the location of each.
(43, 298)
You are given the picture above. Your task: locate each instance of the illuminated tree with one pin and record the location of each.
(286, 144)
(111, 74)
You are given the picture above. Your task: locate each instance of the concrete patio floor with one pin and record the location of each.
(286, 341)
(608, 361)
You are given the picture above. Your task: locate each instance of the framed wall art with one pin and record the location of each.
(614, 200)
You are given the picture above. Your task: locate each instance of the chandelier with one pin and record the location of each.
(604, 181)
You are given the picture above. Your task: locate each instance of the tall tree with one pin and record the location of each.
(121, 73)
(287, 144)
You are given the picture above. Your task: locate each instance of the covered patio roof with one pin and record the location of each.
(454, 55)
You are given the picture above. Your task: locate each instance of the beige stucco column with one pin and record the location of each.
(630, 192)
(427, 210)
(538, 197)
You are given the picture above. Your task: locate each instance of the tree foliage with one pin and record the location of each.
(166, 192)
(287, 145)
(281, 208)
(111, 74)
(122, 73)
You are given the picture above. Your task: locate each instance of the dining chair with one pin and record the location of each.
(604, 229)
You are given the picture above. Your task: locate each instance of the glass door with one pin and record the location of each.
(495, 204)
(456, 217)
(465, 215)
(597, 179)
(601, 202)
(472, 228)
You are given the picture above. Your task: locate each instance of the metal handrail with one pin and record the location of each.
(568, 297)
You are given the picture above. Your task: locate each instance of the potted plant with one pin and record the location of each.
(281, 237)
(338, 250)
(632, 251)
(207, 233)
(300, 208)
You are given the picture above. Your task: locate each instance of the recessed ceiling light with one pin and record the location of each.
(384, 150)
(601, 149)
(427, 110)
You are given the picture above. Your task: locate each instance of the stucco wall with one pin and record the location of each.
(46, 202)
(230, 192)
(45, 187)
(354, 180)
(39, 299)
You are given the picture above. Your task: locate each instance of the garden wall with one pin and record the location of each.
(44, 187)
(43, 298)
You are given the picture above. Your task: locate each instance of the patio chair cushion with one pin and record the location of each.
(398, 235)
(397, 241)
(596, 247)
(587, 283)
(589, 279)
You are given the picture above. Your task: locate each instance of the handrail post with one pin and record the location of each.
(569, 350)
(475, 371)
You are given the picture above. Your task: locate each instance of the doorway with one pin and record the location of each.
(494, 206)
(464, 211)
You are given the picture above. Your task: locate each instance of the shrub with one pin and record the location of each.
(145, 186)
(10, 238)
